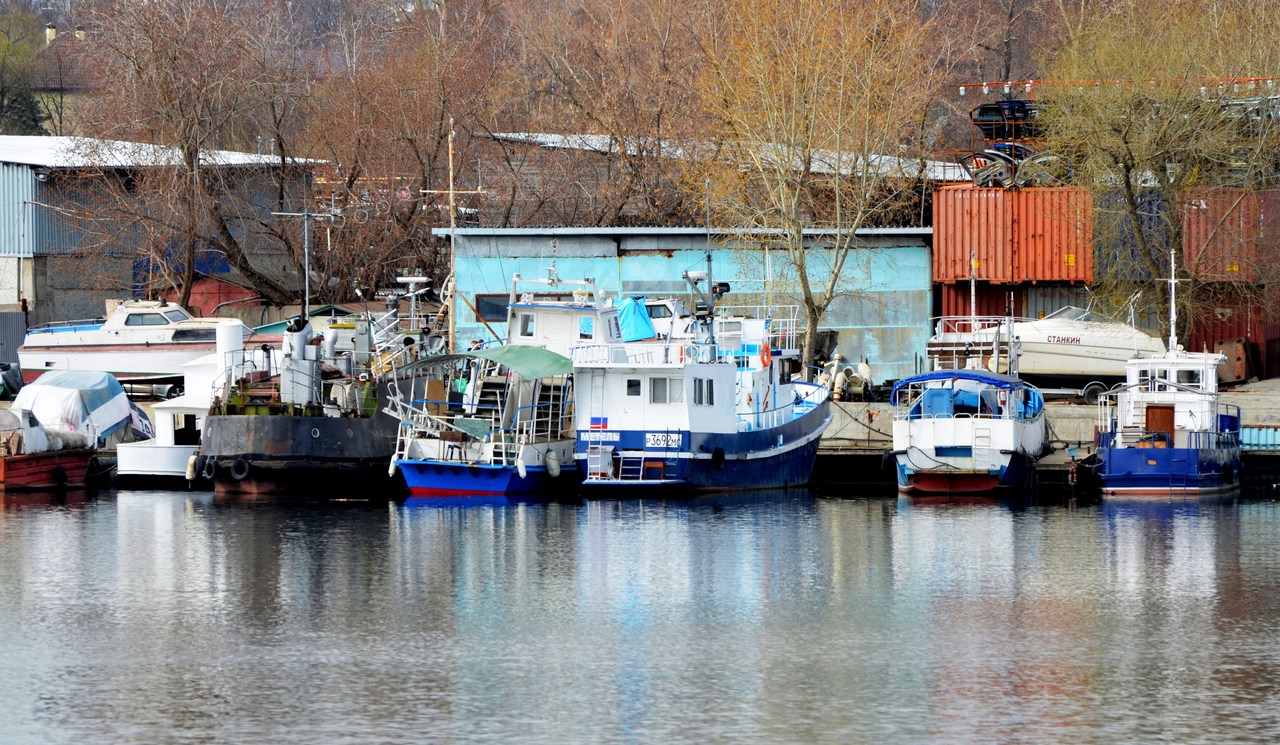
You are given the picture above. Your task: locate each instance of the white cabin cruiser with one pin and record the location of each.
(140, 340)
(1071, 347)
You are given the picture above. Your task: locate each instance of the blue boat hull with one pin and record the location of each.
(1137, 473)
(430, 478)
(772, 458)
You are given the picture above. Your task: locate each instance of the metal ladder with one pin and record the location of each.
(599, 457)
(982, 449)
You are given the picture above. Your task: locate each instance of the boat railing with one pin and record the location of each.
(1163, 439)
(532, 424)
(782, 323)
(258, 384)
(648, 354)
(971, 342)
(63, 325)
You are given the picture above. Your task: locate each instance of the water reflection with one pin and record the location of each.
(145, 616)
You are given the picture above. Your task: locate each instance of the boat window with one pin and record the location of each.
(703, 392)
(526, 324)
(492, 307)
(146, 319)
(666, 391)
(1189, 378)
(586, 327)
(633, 386)
(176, 315)
(658, 311)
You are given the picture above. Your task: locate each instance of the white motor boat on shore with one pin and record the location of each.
(140, 340)
(1069, 348)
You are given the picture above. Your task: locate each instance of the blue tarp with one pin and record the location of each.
(634, 320)
(73, 399)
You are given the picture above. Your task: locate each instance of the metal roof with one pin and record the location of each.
(83, 152)
(824, 161)
(663, 230)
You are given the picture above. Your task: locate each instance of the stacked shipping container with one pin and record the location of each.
(1032, 251)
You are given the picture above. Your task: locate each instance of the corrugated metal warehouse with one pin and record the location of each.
(45, 185)
(882, 312)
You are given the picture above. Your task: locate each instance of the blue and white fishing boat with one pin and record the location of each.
(966, 432)
(1164, 433)
(497, 421)
(709, 402)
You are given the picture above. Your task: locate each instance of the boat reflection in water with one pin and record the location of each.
(873, 619)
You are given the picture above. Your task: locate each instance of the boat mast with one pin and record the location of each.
(307, 216)
(453, 235)
(1173, 303)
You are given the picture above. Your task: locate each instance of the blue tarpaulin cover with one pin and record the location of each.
(634, 320)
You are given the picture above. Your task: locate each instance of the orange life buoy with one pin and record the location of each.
(766, 355)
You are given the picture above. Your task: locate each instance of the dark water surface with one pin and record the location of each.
(167, 617)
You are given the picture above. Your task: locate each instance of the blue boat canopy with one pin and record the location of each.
(942, 400)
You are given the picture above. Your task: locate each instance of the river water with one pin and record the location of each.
(156, 617)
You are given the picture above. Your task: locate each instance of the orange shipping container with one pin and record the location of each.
(1024, 235)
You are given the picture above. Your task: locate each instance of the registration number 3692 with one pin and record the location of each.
(661, 440)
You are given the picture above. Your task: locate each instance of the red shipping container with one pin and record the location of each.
(1234, 319)
(1023, 235)
(991, 300)
(1223, 232)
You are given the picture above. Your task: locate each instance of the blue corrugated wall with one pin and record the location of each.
(882, 311)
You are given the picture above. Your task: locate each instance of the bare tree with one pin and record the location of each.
(820, 106)
(622, 70)
(1142, 121)
(200, 77)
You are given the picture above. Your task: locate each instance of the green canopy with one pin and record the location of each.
(528, 362)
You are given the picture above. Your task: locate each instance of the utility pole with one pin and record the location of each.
(307, 217)
(453, 229)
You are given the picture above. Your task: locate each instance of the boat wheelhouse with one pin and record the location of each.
(966, 431)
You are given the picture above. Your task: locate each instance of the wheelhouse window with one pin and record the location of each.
(146, 319)
(526, 324)
(586, 328)
(633, 386)
(1189, 378)
(703, 392)
(666, 391)
(176, 315)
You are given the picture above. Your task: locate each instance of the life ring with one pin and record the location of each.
(766, 355)
(239, 469)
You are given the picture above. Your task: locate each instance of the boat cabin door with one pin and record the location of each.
(1160, 420)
